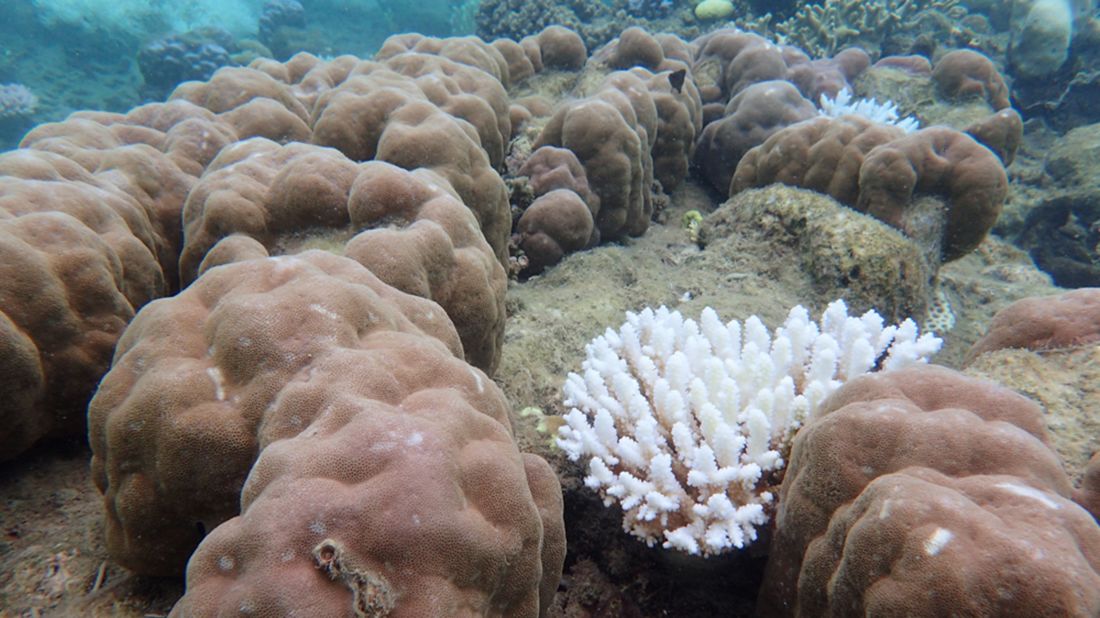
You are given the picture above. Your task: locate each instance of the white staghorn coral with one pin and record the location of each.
(882, 113)
(685, 423)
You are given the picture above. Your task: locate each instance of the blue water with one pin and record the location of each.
(88, 54)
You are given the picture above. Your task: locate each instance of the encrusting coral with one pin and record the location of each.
(687, 424)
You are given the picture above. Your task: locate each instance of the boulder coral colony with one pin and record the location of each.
(278, 301)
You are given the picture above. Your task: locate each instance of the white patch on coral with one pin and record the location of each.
(414, 439)
(218, 379)
(939, 539)
(884, 510)
(317, 527)
(1029, 492)
(882, 113)
(316, 308)
(226, 563)
(477, 379)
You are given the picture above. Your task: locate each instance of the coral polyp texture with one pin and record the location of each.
(687, 424)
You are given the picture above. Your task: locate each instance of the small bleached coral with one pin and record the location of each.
(871, 109)
(16, 100)
(687, 424)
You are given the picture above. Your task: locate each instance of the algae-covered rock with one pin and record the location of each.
(845, 253)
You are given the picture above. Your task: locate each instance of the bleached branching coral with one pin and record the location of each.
(686, 424)
(871, 109)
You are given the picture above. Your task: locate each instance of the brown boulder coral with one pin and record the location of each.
(63, 310)
(409, 228)
(920, 543)
(821, 154)
(921, 490)
(89, 230)
(750, 118)
(715, 70)
(1002, 132)
(384, 115)
(1062, 321)
(403, 110)
(404, 496)
(252, 102)
(178, 421)
(937, 185)
(828, 76)
(555, 47)
(941, 162)
(555, 224)
(965, 73)
(612, 141)
(387, 475)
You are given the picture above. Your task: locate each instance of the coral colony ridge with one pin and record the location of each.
(685, 423)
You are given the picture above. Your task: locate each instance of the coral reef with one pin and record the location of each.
(1068, 320)
(168, 61)
(1062, 230)
(286, 288)
(751, 117)
(17, 108)
(409, 228)
(1041, 36)
(516, 19)
(965, 73)
(278, 21)
(826, 28)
